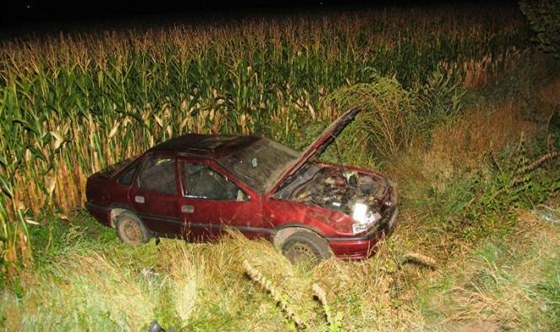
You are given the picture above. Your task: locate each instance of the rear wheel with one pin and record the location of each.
(306, 247)
(131, 230)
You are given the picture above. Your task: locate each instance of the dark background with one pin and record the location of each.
(37, 16)
(33, 10)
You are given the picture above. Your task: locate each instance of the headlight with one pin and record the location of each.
(363, 217)
(359, 212)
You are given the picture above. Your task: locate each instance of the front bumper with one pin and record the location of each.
(361, 247)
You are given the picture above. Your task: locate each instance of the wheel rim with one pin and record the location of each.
(131, 231)
(300, 252)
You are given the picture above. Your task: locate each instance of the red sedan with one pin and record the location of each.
(196, 186)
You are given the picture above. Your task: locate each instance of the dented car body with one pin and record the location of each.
(196, 186)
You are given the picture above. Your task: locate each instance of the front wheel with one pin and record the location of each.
(131, 230)
(306, 247)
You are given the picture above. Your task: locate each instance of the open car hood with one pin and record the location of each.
(319, 145)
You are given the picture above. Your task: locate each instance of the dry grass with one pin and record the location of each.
(205, 287)
(463, 145)
(470, 139)
(494, 285)
(499, 283)
(102, 292)
(551, 94)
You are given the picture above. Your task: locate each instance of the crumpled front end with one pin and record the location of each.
(369, 199)
(364, 245)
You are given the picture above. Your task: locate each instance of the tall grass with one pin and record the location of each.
(74, 103)
(101, 284)
(509, 282)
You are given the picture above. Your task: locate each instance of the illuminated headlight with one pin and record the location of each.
(363, 217)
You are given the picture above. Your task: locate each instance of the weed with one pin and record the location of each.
(387, 109)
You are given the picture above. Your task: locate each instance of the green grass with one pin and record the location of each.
(511, 281)
(98, 283)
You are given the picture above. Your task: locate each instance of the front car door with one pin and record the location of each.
(211, 201)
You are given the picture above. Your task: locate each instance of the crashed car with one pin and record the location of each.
(197, 186)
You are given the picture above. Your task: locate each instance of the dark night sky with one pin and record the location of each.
(55, 9)
(19, 16)
(31, 12)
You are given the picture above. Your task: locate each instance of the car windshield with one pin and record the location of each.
(260, 163)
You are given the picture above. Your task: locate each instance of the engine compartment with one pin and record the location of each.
(335, 188)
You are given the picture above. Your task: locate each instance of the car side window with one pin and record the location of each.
(158, 174)
(126, 178)
(203, 182)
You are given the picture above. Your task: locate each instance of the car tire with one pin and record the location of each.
(304, 247)
(131, 229)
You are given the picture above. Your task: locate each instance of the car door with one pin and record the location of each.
(155, 195)
(211, 201)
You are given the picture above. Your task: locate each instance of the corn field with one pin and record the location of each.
(73, 103)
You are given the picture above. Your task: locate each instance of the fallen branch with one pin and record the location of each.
(538, 162)
(321, 295)
(413, 257)
(260, 279)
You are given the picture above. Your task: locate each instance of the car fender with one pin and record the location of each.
(283, 231)
(117, 209)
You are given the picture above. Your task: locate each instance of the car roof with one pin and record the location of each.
(211, 146)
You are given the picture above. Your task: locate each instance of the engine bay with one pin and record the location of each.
(335, 188)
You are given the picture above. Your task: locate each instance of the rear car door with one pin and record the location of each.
(211, 201)
(155, 195)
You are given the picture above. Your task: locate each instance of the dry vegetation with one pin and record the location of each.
(510, 283)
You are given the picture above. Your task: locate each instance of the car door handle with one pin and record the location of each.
(139, 199)
(187, 208)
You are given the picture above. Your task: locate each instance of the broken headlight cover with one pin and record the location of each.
(363, 217)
